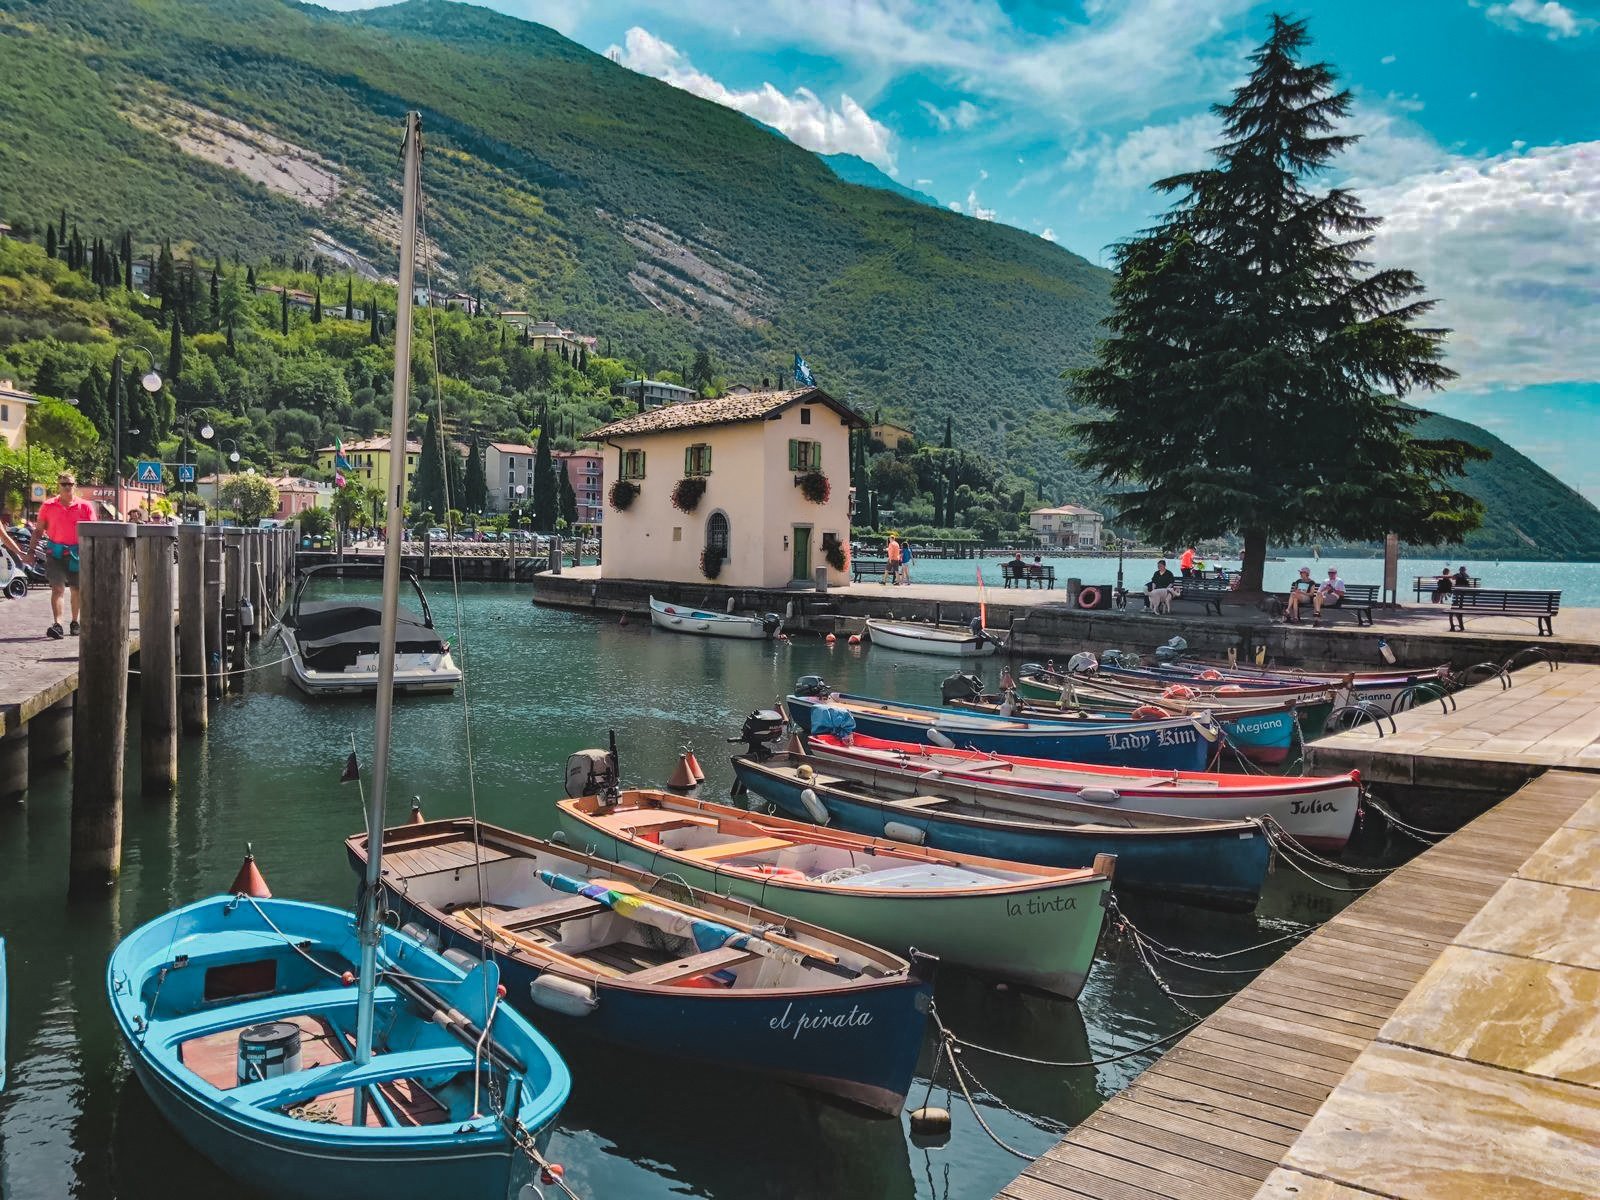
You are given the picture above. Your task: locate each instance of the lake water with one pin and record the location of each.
(1579, 583)
(546, 683)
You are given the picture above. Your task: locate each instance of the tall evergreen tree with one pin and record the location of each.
(61, 234)
(166, 278)
(349, 299)
(127, 260)
(316, 308)
(115, 395)
(583, 359)
(475, 491)
(250, 279)
(546, 490)
(373, 335)
(50, 246)
(92, 402)
(568, 497)
(175, 352)
(439, 484)
(1253, 379)
(214, 318)
(703, 371)
(283, 310)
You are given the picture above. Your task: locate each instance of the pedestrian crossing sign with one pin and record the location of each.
(186, 473)
(149, 472)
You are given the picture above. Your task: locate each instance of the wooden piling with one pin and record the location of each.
(555, 554)
(192, 628)
(232, 632)
(213, 612)
(99, 728)
(14, 763)
(158, 660)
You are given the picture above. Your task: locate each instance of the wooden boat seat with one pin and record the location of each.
(919, 801)
(681, 969)
(650, 818)
(755, 845)
(562, 908)
(623, 959)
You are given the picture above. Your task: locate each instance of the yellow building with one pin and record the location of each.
(369, 461)
(890, 434)
(756, 454)
(14, 406)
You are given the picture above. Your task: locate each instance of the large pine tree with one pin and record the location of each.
(1252, 382)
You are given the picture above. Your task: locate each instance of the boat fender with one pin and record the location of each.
(1099, 795)
(569, 997)
(939, 739)
(420, 934)
(814, 807)
(931, 1123)
(1150, 712)
(460, 958)
(804, 773)
(247, 612)
(901, 832)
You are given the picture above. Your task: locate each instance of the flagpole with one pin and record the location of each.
(369, 930)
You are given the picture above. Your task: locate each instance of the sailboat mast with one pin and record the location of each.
(394, 532)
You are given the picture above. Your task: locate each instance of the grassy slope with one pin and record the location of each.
(541, 154)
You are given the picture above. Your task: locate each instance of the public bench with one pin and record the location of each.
(1359, 599)
(1208, 593)
(875, 568)
(1538, 606)
(1026, 574)
(1426, 583)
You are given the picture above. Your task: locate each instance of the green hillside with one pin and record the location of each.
(258, 131)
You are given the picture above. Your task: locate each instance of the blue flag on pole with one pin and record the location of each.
(802, 373)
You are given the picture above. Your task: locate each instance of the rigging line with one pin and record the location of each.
(455, 579)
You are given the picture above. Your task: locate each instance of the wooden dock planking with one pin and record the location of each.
(1213, 1118)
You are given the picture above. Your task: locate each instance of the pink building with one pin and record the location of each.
(586, 473)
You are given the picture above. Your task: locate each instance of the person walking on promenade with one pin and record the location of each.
(892, 561)
(58, 522)
(905, 562)
(1186, 563)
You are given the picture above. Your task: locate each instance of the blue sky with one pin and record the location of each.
(1480, 124)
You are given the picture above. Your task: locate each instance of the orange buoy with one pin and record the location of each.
(249, 880)
(682, 776)
(830, 639)
(855, 639)
(416, 811)
(694, 767)
(551, 1173)
(623, 619)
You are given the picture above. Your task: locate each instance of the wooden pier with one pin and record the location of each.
(1437, 1039)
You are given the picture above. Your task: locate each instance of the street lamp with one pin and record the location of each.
(233, 456)
(151, 382)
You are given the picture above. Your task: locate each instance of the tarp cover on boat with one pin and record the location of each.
(334, 634)
(830, 718)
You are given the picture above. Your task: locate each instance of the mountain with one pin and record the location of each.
(561, 183)
(854, 169)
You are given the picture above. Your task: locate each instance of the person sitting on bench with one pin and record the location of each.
(1443, 585)
(1299, 590)
(1329, 595)
(1159, 590)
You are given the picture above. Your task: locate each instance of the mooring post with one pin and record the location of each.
(158, 661)
(101, 720)
(213, 612)
(254, 592)
(192, 628)
(13, 762)
(232, 633)
(555, 554)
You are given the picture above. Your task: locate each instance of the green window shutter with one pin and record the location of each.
(705, 463)
(688, 460)
(794, 454)
(641, 464)
(816, 456)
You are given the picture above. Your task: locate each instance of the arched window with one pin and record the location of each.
(717, 533)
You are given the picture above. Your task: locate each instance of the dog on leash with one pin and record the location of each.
(1161, 599)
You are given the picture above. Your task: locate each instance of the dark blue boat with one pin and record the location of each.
(792, 1001)
(1219, 864)
(1169, 744)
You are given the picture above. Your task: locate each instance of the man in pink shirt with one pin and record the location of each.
(58, 522)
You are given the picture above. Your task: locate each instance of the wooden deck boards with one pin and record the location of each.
(1214, 1117)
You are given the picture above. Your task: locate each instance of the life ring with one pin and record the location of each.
(1150, 712)
(1089, 597)
(1210, 674)
(1229, 689)
(1178, 691)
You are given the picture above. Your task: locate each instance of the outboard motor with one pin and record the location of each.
(811, 685)
(1166, 654)
(961, 687)
(976, 625)
(763, 733)
(591, 773)
(1082, 663)
(771, 623)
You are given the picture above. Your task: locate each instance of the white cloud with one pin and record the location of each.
(954, 206)
(1049, 234)
(974, 208)
(1387, 59)
(964, 115)
(924, 183)
(1506, 244)
(801, 115)
(1128, 165)
(1557, 20)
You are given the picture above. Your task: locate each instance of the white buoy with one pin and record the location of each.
(813, 805)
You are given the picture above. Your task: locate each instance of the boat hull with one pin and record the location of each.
(1312, 716)
(1221, 868)
(1174, 746)
(1318, 813)
(414, 674)
(860, 1044)
(910, 638)
(677, 619)
(1044, 938)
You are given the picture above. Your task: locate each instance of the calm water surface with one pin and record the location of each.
(75, 1123)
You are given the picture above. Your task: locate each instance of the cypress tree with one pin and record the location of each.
(283, 310)
(546, 490)
(583, 359)
(127, 260)
(349, 300)
(475, 491)
(92, 402)
(232, 349)
(166, 280)
(372, 319)
(175, 352)
(216, 295)
(114, 395)
(61, 234)
(569, 498)
(316, 308)
(50, 240)
(1254, 376)
(250, 278)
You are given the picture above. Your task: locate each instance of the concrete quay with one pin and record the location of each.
(1042, 626)
(1437, 1040)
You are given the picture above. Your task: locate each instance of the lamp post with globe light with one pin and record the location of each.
(150, 381)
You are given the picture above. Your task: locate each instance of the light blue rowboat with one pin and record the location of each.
(216, 989)
(1172, 744)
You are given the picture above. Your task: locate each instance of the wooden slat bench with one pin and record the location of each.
(563, 908)
(1426, 583)
(875, 568)
(755, 845)
(921, 801)
(1359, 599)
(1538, 606)
(1208, 593)
(1026, 574)
(680, 969)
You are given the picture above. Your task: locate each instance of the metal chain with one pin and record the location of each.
(1116, 910)
(1403, 826)
(948, 1050)
(1042, 1062)
(1277, 833)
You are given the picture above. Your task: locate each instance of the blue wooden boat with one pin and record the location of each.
(1172, 744)
(656, 966)
(239, 1021)
(1220, 864)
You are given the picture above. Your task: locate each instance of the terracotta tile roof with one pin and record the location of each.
(1066, 510)
(512, 447)
(377, 443)
(727, 410)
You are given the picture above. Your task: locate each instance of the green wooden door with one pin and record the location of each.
(802, 552)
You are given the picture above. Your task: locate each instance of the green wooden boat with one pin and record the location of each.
(1036, 926)
(1121, 695)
